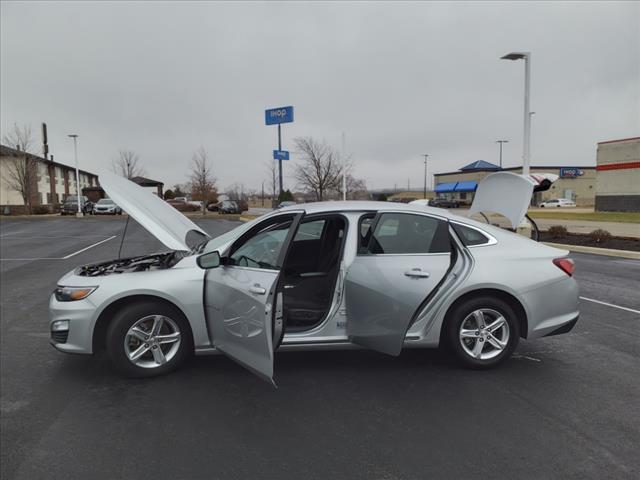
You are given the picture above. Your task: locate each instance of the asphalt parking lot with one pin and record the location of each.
(562, 407)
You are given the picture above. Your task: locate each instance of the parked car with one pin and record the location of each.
(243, 205)
(316, 276)
(443, 203)
(70, 205)
(286, 204)
(228, 206)
(181, 204)
(213, 206)
(436, 202)
(558, 202)
(106, 206)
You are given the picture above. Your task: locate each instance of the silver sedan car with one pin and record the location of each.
(330, 275)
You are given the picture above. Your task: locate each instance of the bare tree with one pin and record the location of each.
(203, 183)
(356, 188)
(21, 173)
(321, 169)
(272, 179)
(127, 164)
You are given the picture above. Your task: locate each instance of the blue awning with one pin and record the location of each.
(469, 186)
(445, 187)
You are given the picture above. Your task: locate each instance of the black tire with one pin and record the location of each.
(125, 318)
(460, 314)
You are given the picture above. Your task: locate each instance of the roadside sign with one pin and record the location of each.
(280, 155)
(278, 115)
(570, 172)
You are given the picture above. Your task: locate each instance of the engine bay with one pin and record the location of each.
(157, 261)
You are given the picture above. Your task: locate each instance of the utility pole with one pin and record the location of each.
(280, 160)
(75, 153)
(501, 142)
(425, 155)
(526, 150)
(344, 167)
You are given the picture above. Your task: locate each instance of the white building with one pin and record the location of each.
(51, 183)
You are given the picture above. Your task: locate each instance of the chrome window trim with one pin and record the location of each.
(491, 239)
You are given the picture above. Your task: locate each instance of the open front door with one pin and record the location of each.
(240, 295)
(403, 257)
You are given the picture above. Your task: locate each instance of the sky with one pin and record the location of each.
(400, 79)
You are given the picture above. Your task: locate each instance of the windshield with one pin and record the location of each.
(105, 201)
(73, 198)
(218, 242)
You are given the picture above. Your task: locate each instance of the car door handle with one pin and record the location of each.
(258, 290)
(416, 272)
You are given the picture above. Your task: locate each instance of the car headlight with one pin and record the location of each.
(71, 294)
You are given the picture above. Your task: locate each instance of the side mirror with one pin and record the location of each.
(209, 260)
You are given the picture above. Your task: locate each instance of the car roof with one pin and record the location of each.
(368, 206)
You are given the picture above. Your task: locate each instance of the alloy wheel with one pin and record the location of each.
(484, 334)
(152, 341)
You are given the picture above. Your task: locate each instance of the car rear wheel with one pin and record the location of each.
(482, 332)
(148, 339)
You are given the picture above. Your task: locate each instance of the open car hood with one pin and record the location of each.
(157, 217)
(509, 194)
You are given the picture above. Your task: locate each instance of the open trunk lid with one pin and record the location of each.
(509, 194)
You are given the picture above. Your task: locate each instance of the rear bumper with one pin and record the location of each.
(567, 327)
(552, 309)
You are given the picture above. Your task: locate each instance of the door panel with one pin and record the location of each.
(239, 296)
(239, 304)
(384, 291)
(401, 259)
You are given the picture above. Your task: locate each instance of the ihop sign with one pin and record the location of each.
(571, 172)
(278, 115)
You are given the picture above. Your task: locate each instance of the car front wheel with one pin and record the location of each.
(148, 339)
(482, 332)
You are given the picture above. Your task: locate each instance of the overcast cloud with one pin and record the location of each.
(401, 79)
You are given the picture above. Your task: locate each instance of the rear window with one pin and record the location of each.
(401, 233)
(469, 236)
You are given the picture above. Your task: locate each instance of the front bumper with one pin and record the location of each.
(79, 337)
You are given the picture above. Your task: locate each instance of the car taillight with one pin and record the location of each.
(565, 264)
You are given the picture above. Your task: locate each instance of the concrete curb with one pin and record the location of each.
(610, 252)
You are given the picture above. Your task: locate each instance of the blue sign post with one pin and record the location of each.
(280, 155)
(278, 116)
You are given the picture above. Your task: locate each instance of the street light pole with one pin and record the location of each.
(425, 155)
(501, 142)
(75, 153)
(526, 150)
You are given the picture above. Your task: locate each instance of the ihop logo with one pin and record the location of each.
(274, 116)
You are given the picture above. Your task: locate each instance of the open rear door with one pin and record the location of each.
(405, 259)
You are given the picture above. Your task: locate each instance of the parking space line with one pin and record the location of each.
(12, 235)
(610, 305)
(90, 246)
(61, 258)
